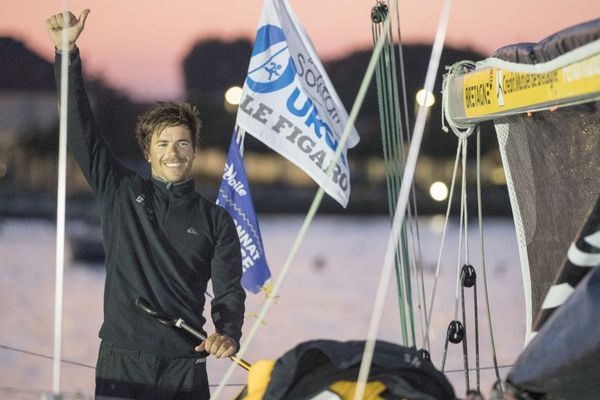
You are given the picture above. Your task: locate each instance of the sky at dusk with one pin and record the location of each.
(138, 45)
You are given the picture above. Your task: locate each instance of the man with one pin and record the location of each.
(163, 242)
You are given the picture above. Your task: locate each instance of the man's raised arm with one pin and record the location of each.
(96, 161)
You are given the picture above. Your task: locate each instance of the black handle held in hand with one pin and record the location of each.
(143, 305)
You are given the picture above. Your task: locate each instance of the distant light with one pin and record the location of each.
(438, 191)
(425, 98)
(437, 222)
(497, 176)
(233, 95)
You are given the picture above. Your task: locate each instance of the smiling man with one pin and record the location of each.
(163, 242)
(171, 154)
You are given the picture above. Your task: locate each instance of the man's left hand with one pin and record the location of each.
(218, 345)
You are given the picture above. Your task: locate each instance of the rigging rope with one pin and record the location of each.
(38, 393)
(466, 276)
(465, 339)
(483, 266)
(463, 132)
(463, 234)
(64, 361)
(391, 133)
(400, 157)
(413, 215)
(456, 329)
(417, 258)
(476, 322)
(443, 240)
(452, 371)
(463, 146)
(402, 199)
(458, 129)
(31, 353)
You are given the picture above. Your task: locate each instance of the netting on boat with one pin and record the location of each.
(551, 160)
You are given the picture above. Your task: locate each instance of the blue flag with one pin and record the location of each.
(234, 196)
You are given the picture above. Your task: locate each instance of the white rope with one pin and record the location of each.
(466, 259)
(461, 225)
(459, 68)
(309, 216)
(61, 204)
(483, 269)
(417, 268)
(443, 240)
(465, 204)
(459, 156)
(403, 198)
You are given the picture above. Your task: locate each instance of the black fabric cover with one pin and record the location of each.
(563, 360)
(312, 366)
(551, 47)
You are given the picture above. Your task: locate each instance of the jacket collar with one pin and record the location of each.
(177, 188)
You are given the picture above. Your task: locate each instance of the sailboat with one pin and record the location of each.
(577, 105)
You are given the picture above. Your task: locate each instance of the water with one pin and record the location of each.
(328, 294)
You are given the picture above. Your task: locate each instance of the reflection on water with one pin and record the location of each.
(328, 294)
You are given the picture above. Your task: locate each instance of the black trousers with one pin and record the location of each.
(132, 374)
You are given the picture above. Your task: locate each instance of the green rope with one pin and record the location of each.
(386, 127)
(393, 151)
(417, 260)
(397, 161)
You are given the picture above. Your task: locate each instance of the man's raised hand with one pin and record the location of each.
(74, 26)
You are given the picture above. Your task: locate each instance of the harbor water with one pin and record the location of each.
(328, 294)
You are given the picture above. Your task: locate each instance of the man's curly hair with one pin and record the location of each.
(166, 114)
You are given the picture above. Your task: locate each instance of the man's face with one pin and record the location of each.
(171, 153)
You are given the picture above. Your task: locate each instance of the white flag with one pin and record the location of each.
(289, 103)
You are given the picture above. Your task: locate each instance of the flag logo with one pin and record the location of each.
(271, 67)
